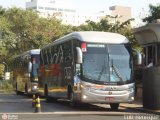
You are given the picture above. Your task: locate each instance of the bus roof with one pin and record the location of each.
(35, 51)
(92, 36)
(30, 52)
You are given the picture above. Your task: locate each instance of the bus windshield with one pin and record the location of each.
(107, 63)
(35, 65)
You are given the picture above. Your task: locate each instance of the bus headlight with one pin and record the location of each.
(34, 88)
(84, 97)
(132, 98)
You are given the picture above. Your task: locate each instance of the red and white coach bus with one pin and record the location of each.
(88, 67)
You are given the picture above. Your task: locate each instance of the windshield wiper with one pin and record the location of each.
(100, 75)
(117, 72)
(102, 70)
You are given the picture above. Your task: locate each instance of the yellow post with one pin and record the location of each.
(38, 105)
(33, 101)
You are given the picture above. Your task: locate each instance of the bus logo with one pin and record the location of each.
(109, 93)
(113, 88)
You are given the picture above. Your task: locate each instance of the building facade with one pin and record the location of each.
(121, 13)
(49, 8)
(68, 15)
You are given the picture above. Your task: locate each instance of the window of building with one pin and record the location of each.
(60, 9)
(52, 1)
(49, 8)
(33, 8)
(69, 10)
(40, 7)
(66, 10)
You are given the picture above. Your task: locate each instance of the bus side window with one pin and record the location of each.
(41, 58)
(68, 52)
(78, 69)
(45, 56)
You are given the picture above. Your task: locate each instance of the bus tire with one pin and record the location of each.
(72, 102)
(17, 93)
(114, 106)
(69, 91)
(45, 91)
(26, 88)
(48, 99)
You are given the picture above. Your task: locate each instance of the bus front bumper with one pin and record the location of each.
(125, 96)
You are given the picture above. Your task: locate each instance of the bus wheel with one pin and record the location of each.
(48, 99)
(45, 91)
(72, 103)
(26, 88)
(114, 106)
(17, 93)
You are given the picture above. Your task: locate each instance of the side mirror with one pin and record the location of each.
(79, 57)
(139, 57)
(29, 67)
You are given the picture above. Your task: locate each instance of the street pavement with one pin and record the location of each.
(20, 107)
(137, 105)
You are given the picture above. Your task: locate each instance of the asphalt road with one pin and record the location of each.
(18, 107)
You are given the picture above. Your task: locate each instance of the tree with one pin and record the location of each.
(104, 25)
(2, 67)
(154, 13)
(22, 30)
(4, 30)
(29, 31)
(2, 10)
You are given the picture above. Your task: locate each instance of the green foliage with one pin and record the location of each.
(104, 25)
(2, 10)
(154, 13)
(6, 85)
(2, 68)
(22, 30)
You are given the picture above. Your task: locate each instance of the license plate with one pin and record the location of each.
(109, 98)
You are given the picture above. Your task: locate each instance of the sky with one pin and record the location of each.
(139, 7)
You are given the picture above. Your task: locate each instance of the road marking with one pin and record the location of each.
(77, 113)
(14, 100)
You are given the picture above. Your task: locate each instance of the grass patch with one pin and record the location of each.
(6, 86)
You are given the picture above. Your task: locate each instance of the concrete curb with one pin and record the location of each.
(142, 110)
(75, 113)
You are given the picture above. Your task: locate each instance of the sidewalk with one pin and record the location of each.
(138, 105)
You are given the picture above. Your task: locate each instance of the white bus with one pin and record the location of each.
(88, 67)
